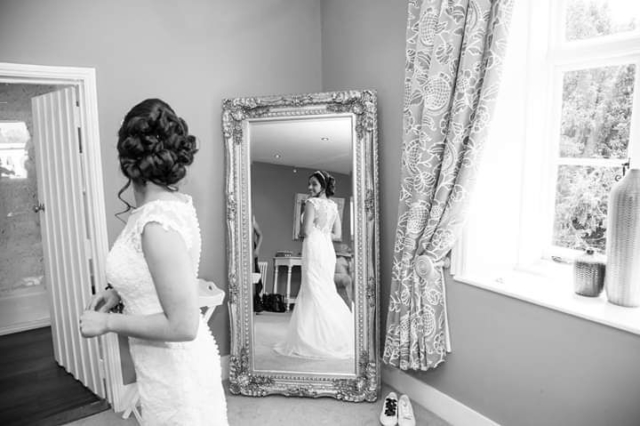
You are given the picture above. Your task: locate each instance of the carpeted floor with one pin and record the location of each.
(278, 410)
(270, 328)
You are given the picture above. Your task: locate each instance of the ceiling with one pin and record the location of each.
(313, 143)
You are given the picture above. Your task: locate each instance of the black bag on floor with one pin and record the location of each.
(273, 303)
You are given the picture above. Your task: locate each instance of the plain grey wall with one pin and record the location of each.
(514, 362)
(192, 54)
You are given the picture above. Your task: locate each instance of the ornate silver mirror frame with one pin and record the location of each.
(237, 115)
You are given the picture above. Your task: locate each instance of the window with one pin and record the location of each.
(594, 65)
(13, 149)
(566, 124)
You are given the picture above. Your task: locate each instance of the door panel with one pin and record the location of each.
(64, 230)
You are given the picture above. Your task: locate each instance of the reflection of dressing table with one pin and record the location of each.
(289, 262)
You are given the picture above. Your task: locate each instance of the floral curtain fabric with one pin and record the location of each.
(454, 54)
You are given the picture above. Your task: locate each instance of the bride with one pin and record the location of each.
(321, 325)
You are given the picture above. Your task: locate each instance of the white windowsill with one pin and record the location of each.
(555, 291)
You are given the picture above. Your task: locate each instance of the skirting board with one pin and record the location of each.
(440, 404)
(25, 326)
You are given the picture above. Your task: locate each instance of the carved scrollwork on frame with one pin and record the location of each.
(235, 112)
(369, 203)
(359, 108)
(242, 381)
(364, 107)
(362, 388)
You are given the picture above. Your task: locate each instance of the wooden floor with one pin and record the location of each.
(34, 390)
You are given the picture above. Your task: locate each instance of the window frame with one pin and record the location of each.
(530, 277)
(566, 56)
(549, 56)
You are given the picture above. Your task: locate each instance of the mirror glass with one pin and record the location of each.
(295, 329)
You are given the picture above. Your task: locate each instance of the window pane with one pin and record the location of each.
(596, 112)
(594, 18)
(582, 194)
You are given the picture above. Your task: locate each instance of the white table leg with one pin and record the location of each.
(275, 278)
(288, 301)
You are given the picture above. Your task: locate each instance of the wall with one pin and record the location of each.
(191, 54)
(516, 363)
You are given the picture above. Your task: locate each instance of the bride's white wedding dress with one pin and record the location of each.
(321, 325)
(179, 382)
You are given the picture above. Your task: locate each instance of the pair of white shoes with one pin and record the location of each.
(397, 412)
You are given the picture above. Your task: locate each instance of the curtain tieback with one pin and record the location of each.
(426, 266)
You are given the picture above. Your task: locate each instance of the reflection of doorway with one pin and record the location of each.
(53, 190)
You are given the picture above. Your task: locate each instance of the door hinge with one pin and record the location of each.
(76, 118)
(101, 369)
(80, 139)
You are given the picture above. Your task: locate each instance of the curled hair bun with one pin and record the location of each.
(154, 144)
(327, 182)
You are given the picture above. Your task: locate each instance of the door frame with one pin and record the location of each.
(84, 79)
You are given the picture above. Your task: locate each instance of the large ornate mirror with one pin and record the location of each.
(303, 291)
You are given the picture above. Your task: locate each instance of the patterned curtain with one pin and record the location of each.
(455, 50)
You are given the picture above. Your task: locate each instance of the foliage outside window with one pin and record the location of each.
(596, 115)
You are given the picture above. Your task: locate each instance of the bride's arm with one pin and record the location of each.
(170, 266)
(308, 218)
(336, 231)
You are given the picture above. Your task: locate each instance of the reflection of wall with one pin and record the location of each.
(532, 357)
(273, 190)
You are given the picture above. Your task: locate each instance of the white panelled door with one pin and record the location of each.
(65, 232)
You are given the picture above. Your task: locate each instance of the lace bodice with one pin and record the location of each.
(127, 268)
(326, 213)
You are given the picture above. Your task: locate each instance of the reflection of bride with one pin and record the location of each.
(321, 325)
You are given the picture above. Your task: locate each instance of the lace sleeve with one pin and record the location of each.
(313, 202)
(168, 216)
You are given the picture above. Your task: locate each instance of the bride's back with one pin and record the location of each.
(326, 212)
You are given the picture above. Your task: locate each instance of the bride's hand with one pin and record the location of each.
(104, 301)
(93, 323)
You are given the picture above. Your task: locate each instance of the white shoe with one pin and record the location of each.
(389, 414)
(405, 412)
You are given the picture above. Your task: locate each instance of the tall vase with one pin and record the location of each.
(622, 280)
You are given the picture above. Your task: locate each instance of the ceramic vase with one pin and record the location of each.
(588, 274)
(622, 280)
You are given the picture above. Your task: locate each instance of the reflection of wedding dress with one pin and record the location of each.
(321, 325)
(179, 382)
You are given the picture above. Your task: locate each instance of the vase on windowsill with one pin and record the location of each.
(622, 280)
(589, 273)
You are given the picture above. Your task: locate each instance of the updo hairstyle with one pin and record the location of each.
(154, 145)
(327, 182)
